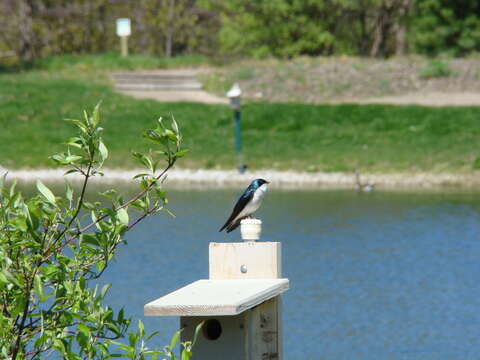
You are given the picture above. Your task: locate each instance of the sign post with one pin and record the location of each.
(124, 30)
(234, 94)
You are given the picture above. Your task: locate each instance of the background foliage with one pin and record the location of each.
(446, 26)
(236, 28)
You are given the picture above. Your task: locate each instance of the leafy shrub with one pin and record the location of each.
(436, 69)
(52, 246)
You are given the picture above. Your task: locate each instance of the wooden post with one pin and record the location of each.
(124, 45)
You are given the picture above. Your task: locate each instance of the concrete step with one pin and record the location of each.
(157, 74)
(125, 77)
(157, 80)
(158, 86)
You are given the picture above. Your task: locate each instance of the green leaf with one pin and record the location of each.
(181, 153)
(58, 345)
(122, 216)
(143, 159)
(175, 126)
(169, 213)
(3, 179)
(174, 339)
(46, 192)
(197, 331)
(38, 286)
(141, 328)
(82, 328)
(104, 291)
(75, 142)
(48, 270)
(141, 176)
(96, 114)
(103, 150)
(152, 335)
(90, 239)
(170, 135)
(71, 171)
(8, 277)
(186, 355)
(72, 158)
(79, 124)
(69, 193)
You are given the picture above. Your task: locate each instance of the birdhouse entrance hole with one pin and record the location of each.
(212, 329)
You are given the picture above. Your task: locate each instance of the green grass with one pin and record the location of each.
(108, 61)
(372, 138)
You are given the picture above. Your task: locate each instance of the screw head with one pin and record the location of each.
(243, 269)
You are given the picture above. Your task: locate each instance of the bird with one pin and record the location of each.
(366, 187)
(247, 204)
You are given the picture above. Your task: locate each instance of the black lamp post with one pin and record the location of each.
(234, 94)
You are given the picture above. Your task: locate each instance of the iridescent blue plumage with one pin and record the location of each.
(246, 205)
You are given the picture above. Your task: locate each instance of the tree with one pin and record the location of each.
(172, 23)
(446, 26)
(282, 28)
(389, 27)
(52, 247)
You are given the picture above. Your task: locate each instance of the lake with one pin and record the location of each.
(372, 276)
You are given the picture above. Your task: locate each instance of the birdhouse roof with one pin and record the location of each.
(216, 297)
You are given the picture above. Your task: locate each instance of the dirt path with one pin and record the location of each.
(428, 99)
(334, 80)
(198, 96)
(179, 85)
(279, 179)
(320, 81)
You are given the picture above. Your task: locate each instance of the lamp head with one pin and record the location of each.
(234, 94)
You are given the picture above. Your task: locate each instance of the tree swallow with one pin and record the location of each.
(247, 204)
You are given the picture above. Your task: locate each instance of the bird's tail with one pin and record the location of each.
(233, 226)
(223, 227)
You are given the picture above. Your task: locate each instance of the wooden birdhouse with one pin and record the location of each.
(240, 303)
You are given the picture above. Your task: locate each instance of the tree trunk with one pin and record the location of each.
(401, 28)
(25, 28)
(169, 35)
(102, 27)
(379, 32)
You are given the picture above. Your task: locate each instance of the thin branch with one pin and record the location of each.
(148, 213)
(135, 198)
(80, 200)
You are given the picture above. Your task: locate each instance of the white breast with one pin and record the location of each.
(255, 203)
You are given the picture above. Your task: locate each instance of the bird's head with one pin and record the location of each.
(259, 182)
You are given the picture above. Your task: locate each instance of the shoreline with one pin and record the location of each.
(279, 179)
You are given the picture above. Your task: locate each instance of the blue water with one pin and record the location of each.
(372, 276)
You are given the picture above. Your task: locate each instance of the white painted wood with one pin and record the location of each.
(262, 260)
(216, 297)
(250, 229)
(263, 328)
(280, 326)
(229, 346)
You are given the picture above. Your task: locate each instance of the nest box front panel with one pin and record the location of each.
(221, 337)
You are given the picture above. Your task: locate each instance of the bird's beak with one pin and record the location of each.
(268, 182)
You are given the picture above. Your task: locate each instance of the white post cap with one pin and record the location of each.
(250, 229)
(235, 91)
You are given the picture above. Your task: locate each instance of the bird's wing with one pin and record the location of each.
(239, 206)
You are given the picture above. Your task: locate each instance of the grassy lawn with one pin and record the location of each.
(106, 61)
(372, 138)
